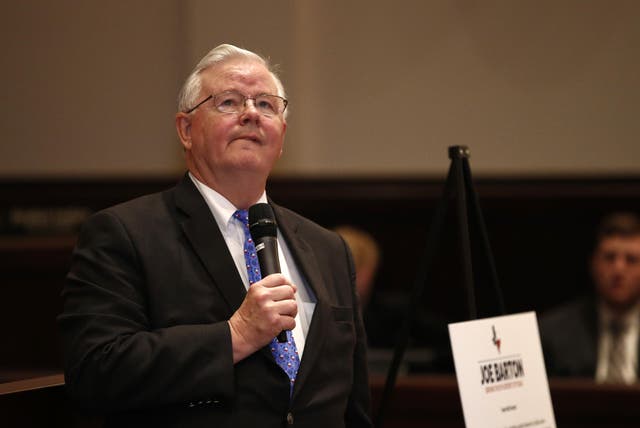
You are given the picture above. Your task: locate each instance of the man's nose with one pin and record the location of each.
(619, 263)
(250, 112)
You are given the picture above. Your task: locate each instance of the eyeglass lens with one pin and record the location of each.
(235, 102)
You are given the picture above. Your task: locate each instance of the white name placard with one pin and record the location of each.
(500, 371)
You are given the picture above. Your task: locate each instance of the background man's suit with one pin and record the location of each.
(151, 286)
(569, 336)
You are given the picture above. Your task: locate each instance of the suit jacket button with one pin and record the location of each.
(290, 418)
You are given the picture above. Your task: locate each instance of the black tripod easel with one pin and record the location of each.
(458, 191)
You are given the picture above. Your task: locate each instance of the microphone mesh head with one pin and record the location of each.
(262, 221)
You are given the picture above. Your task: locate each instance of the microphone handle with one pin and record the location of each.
(267, 249)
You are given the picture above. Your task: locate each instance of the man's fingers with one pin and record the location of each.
(265, 295)
(287, 307)
(275, 280)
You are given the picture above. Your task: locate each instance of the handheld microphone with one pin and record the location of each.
(264, 232)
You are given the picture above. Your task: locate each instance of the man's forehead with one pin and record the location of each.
(619, 242)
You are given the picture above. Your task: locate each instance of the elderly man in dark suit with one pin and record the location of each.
(598, 336)
(163, 324)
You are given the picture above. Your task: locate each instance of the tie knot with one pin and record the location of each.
(617, 327)
(242, 216)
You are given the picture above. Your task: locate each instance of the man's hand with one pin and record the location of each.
(268, 308)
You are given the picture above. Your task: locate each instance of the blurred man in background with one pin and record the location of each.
(597, 336)
(366, 258)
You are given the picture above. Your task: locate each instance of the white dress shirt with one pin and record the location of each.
(630, 343)
(233, 234)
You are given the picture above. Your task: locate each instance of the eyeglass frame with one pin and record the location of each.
(212, 96)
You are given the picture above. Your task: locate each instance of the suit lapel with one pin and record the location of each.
(590, 317)
(202, 232)
(306, 261)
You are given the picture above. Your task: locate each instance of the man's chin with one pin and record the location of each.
(250, 162)
(620, 303)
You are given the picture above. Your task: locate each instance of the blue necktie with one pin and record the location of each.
(285, 354)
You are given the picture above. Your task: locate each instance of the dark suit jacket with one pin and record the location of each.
(569, 336)
(145, 334)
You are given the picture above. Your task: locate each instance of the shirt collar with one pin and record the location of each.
(221, 208)
(631, 318)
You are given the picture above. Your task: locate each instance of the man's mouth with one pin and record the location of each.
(249, 137)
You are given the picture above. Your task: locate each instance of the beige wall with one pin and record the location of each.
(376, 87)
(90, 87)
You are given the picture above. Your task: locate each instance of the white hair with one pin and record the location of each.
(187, 97)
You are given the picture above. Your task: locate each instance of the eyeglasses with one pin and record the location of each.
(234, 102)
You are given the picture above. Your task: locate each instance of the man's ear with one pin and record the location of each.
(183, 127)
(284, 131)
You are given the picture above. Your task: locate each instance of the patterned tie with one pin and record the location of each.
(617, 353)
(285, 354)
